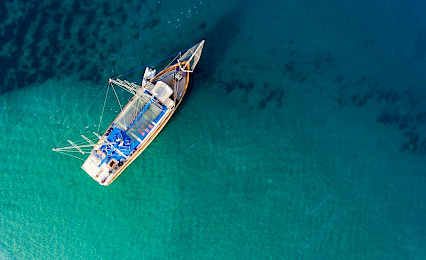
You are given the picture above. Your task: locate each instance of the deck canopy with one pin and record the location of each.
(137, 116)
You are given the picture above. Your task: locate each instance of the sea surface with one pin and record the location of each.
(303, 135)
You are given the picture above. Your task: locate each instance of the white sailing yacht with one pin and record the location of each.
(153, 103)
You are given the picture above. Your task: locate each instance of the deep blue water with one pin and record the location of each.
(303, 136)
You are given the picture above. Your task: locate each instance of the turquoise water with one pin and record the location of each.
(303, 136)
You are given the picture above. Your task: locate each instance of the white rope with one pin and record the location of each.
(174, 59)
(121, 107)
(71, 155)
(69, 151)
(79, 119)
(82, 146)
(103, 108)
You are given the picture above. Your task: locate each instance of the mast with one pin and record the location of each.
(126, 85)
(78, 147)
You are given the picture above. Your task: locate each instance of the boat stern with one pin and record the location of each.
(99, 172)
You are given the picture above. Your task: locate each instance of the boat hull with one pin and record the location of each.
(104, 174)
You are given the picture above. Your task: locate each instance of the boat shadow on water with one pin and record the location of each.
(219, 38)
(218, 42)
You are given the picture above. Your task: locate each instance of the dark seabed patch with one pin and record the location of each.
(273, 96)
(51, 39)
(401, 109)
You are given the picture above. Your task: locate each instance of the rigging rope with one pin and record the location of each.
(107, 86)
(80, 117)
(121, 107)
(103, 108)
(70, 155)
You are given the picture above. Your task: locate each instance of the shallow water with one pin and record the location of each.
(302, 136)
